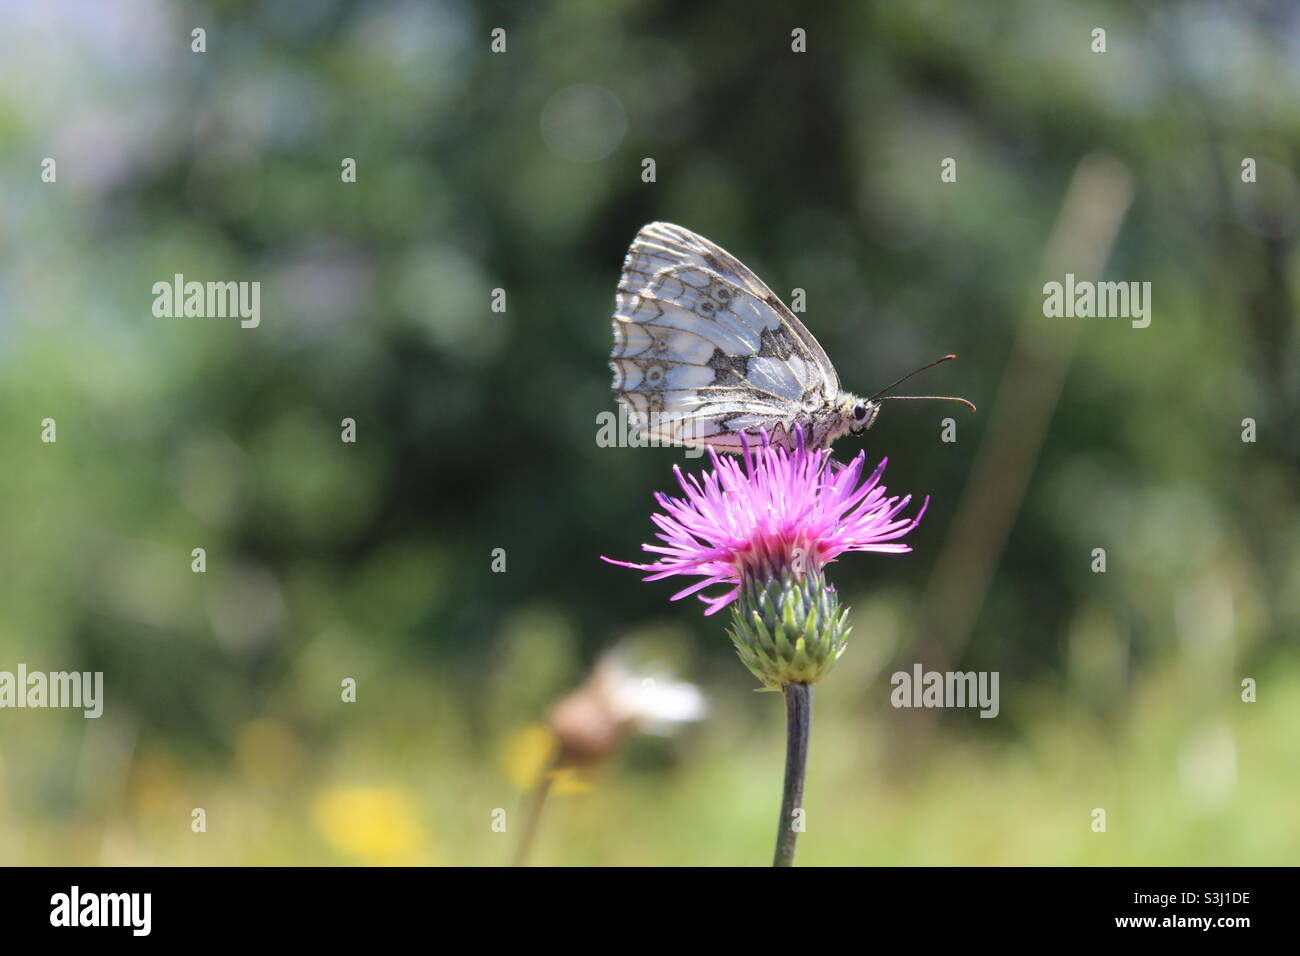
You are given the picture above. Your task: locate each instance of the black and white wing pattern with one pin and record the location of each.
(703, 350)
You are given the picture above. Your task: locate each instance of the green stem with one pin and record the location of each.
(533, 808)
(798, 716)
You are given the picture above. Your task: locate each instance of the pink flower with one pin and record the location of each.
(770, 512)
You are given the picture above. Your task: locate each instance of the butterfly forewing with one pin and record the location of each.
(703, 350)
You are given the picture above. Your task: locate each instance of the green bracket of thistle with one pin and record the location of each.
(789, 629)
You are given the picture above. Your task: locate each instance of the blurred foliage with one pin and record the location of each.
(476, 429)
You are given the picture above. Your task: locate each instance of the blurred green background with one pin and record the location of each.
(476, 429)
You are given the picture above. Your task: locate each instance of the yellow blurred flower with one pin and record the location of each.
(526, 753)
(157, 786)
(375, 824)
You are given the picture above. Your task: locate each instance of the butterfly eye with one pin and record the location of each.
(860, 411)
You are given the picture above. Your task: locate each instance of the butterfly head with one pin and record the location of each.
(860, 413)
(854, 415)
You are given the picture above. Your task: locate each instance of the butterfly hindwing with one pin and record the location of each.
(703, 350)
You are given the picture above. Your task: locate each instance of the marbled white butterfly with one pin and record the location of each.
(704, 351)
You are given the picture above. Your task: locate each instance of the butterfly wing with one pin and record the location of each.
(703, 350)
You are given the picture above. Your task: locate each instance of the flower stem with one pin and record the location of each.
(533, 807)
(798, 716)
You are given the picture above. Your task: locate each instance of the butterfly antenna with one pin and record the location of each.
(929, 398)
(946, 358)
(935, 398)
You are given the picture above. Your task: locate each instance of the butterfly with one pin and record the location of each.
(704, 353)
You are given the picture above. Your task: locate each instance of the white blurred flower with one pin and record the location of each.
(617, 700)
(654, 702)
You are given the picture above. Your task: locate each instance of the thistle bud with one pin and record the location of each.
(789, 629)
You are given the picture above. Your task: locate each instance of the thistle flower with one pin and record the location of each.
(767, 524)
(764, 527)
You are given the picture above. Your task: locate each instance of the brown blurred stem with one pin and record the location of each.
(798, 718)
(1087, 225)
(532, 810)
